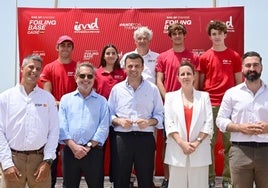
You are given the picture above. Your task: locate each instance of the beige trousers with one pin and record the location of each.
(27, 165)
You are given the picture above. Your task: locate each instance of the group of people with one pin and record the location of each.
(187, 96)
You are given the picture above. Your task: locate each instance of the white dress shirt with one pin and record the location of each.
(27, 122)
(240, 105)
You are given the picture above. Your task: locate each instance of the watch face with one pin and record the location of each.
(49, 161)
(89, 144)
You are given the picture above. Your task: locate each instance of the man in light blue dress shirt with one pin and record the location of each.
(136, 109)
(84, 127)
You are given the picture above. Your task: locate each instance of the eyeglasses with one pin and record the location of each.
(83, 76)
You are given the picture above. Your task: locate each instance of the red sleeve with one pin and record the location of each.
(46, 74)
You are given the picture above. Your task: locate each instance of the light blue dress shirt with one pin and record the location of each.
(145, 102)
(83, 119)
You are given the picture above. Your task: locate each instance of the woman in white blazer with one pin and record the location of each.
(188, 124)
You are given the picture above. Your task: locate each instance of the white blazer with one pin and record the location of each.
(202, 121)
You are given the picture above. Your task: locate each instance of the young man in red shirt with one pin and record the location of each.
(220, 69)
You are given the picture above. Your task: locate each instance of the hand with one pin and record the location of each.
(142, 123)
(195, 144)
(12, 174)
(79, 151)
(263, 125)
(252, 129)
(42, 172)
(126, 123)
(187, 147)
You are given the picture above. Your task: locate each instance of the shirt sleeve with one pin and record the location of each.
(53, 131)
(225, 111)
(46, 75)
(103, 128)
(158, 111)
(159, 64)
(64, 133)
(5, 152)
(208, 124)
(111, 104)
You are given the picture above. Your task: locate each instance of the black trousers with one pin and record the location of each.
(138, 149)
(54, 168)
(91, 166)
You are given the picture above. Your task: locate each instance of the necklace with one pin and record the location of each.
(187, 101)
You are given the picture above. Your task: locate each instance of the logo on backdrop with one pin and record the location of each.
(130, 25)
(91, 27)
(40, 53)
(229, 24)
(183, 20)
(89, 54)
(38, 24)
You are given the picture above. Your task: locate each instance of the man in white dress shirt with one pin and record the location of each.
(243, 112)
(29, 130)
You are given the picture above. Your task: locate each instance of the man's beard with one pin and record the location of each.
(252, 75)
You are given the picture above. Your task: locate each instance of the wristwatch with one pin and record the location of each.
(89, 144)
(49, 161)
(199, 140)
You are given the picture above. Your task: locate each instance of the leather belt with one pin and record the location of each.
(251, 144)
(135, 133)
(29, 152)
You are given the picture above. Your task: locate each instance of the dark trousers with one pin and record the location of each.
(91, 166)
(112, 154)
(54, 168)
(136, 148)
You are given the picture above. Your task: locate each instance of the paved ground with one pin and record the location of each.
(107, 184)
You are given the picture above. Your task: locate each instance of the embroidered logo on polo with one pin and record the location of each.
(41, 105)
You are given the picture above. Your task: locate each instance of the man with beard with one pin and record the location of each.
(243, 113)
(220, 69)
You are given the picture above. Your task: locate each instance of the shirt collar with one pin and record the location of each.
(92, 94)
(22, 89)
(244, 85)
(128, 86)
(146, 55)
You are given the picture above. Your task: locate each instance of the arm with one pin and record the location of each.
(187, 147)
(196, 80)
(43, 170)
(9, 170)
(201, 81)
(248, 128)
(238, 78)
(53, 129)
(207, 128)
(103, 122)
(160, 84)
(123, 122)
(48, 87)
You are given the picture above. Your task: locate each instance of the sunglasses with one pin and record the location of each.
(83, 76)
